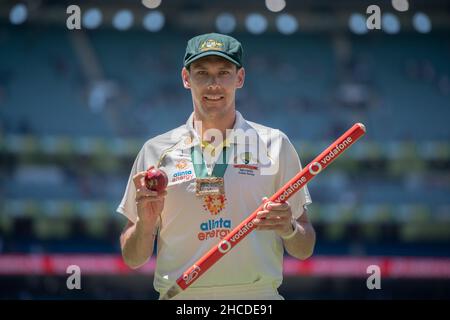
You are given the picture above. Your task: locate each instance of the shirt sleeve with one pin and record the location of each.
(290, 165)
(127, 206)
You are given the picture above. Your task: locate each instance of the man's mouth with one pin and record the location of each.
(213, 97)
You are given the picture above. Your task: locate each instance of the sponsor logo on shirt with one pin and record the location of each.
(214, 228)
(214, 204)
(181, 164)
(182, 175)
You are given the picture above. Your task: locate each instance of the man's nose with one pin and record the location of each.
(213, 83)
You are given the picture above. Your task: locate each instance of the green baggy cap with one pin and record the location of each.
(213, 44)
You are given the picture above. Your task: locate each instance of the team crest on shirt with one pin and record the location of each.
(245, 163)
(246, 157)
(214, 204)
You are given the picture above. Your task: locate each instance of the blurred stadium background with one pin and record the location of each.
(76, 106)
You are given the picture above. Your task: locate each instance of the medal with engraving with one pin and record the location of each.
(209, 182)
(209, 186)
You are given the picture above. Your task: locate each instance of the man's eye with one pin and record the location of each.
(201, 72)
(224, 72)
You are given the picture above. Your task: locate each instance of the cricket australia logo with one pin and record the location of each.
(246, 164)
(246, 157)
(211, 45)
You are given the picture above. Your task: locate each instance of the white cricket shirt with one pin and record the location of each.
(191, 225)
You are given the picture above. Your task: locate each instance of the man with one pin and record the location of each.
(213, 186)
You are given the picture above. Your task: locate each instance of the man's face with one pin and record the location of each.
(213, 82)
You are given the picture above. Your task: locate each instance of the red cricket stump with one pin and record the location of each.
(288, 190)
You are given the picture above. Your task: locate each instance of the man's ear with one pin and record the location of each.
(185, 78)
(240, 78)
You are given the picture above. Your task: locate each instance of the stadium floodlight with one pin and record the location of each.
(256, 23)
(123, 20)
(422, 22)
(275, 5)
(286, 23)
(390, 23)
(18, 14)
(400, 5)
(151, 4)
(357, 24)
(154, 21)
(92, 18)
(225, 23)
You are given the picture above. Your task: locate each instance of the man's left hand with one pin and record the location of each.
(274, 216)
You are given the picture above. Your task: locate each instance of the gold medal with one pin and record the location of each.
(209, 186)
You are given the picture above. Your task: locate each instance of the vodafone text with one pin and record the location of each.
(338, 149)
(225, 246)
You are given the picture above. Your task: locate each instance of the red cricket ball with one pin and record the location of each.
(156, 180)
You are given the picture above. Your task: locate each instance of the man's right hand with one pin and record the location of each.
(149, 203)
(137, 239)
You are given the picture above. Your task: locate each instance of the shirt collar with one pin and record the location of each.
(192, 138)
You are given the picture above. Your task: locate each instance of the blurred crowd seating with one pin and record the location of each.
(66, 153)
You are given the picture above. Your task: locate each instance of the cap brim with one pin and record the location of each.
(211, 53)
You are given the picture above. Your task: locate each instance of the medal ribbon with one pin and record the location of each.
(199, 164)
